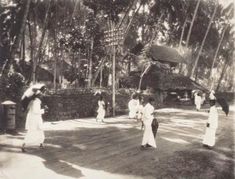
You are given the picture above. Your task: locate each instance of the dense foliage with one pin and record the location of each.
(62, 32)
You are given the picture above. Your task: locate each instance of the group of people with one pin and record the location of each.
(137, 109)
(144, 114)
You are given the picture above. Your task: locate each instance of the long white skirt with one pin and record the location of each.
(209, 138)
(34, 126)
(34, 137)
(148, 137)
(101, 114)
(198, 106)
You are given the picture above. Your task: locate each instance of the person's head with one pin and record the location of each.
(141, 99)
(37, 94)
(100, 98)
(151, 100)
(212, 102)
(134, 96)
(43, 89)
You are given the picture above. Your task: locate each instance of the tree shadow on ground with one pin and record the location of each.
(116, 150)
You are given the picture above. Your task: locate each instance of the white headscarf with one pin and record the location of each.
(212, 95)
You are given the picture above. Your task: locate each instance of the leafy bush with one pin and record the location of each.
(11, 86)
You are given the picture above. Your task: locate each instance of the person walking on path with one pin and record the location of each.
(212, 125)
(34, 123)
(148, 116)
(101, 110)
(198, 101)
(133, 107)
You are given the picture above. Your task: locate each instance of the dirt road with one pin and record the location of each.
(83, 148)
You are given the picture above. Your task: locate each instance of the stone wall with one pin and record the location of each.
(78, 104)
(72, 104)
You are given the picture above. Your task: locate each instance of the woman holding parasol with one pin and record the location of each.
(34, 121)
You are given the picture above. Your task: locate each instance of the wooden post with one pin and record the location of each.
(114, 69)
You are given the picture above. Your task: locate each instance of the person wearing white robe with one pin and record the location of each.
(101, 110)
(148, 137)
(212, 125)
(34, 123)
(198, 101)
(133, 107)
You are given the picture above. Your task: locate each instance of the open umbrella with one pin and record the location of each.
(29, 94)
(224, 104)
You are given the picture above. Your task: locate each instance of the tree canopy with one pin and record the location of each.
(57, 32)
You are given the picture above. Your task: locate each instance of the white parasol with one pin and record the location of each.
(30, 92)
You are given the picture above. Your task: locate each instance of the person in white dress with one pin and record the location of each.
(101, 110)
(212, 125)
(133, 107)
(148, 115)
(198, 101)
(34, 123)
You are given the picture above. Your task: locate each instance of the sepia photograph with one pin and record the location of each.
(117, 89)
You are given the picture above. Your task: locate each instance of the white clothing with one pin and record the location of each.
(148, 137)
(101, 110)
(34, 123)
(133, 107)
(140, 110)
(203, 98)
(212, 95)
(209, 138)
(198, 101)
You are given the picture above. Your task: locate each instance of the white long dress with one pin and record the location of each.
(198, 102)
(101, 111)
(34, 123)
(148, 137)
(209, 138)
(133, 107)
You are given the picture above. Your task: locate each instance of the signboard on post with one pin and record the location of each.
(113, 38)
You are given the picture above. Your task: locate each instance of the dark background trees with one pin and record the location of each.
(67, 37)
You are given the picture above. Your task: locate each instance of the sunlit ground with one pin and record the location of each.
(83, 148)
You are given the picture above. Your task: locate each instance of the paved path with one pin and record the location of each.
(83, 148)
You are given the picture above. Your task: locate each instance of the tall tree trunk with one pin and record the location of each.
(217, 50)
(129, 24)
(129, 65)
(192, 22)
(100, 67)
(222, 75)
(182, 32)
(39, 54)
(181, 39)
(38, 57)
(126, 13)
(101, 76)
(203, 41)
(15, 45)
(34, 45)
(90, 64)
